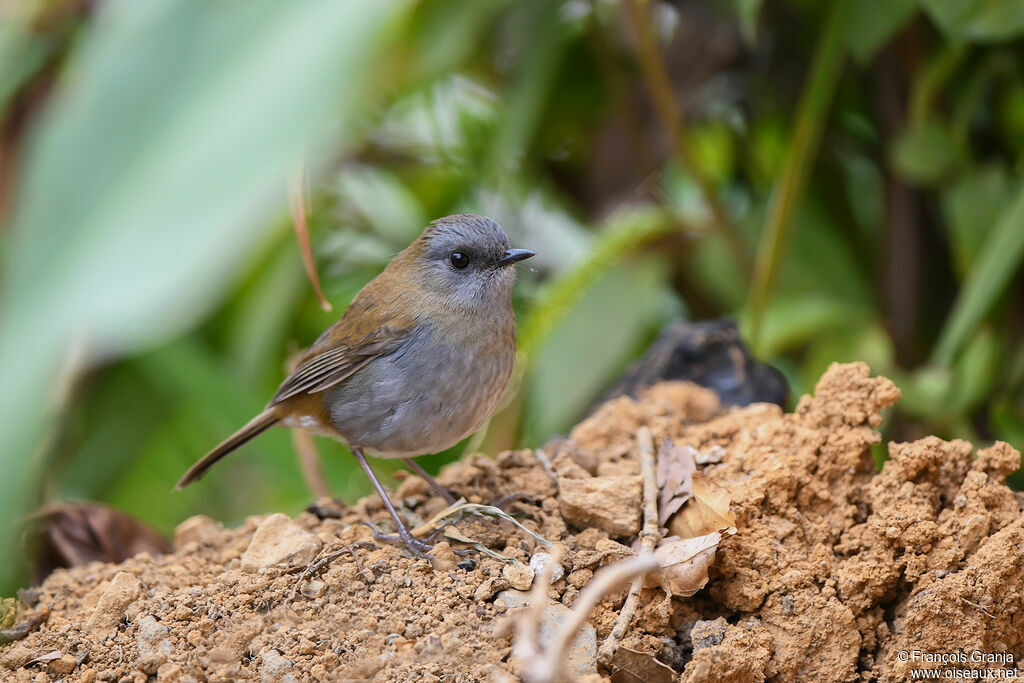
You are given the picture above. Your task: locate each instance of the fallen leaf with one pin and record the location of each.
(676, 466)
(9, 635)
(685, 562)
(74, 534)
(300, 205)
(48, 657)
(630, 666)
(461, 508)
(8, 608)
(451, 531)
(706, 512)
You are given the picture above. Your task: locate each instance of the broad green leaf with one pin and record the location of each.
(150, 177)
(971, 208)
(382, 203)
(976, 371)
(747, 11)
(794, 319)
(999, 259)
(872, 24)
(925, 392)
(981, 21)
(22, 53)
(924, 154)
(572, 365)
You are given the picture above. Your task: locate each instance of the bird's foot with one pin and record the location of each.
(416, 546)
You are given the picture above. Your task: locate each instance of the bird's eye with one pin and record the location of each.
(459, 259)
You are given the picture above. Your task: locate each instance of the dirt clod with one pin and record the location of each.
(123, 590)
(279, 540)
(834, 570)
(611, 504)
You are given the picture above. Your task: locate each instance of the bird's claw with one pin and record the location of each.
(403, 537)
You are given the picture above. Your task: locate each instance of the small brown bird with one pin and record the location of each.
(417, 362)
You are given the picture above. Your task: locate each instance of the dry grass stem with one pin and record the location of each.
(309, 463)
(545, 665)
(649, 537)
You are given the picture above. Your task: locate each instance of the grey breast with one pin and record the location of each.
(422, 398)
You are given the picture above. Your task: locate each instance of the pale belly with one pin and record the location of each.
(423, 398)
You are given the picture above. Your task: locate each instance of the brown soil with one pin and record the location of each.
(835, 569)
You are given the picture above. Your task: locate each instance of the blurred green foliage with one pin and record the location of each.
(845, 178)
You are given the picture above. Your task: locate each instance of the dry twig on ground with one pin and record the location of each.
(649, 537)
(543, 665)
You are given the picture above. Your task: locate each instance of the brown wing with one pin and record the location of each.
(375, 324)
(326, 369)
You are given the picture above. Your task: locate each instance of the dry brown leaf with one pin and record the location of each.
(706, 512)
(685, 562)
(8, 609)
(74, 534)
(300, 205)
(48, 657)
(9, 635)
(676, 466)
(631, 666)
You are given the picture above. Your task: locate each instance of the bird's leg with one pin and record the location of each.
(417, 546)
(422, 474)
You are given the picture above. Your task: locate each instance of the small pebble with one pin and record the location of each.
(539, 561)
(518, 574)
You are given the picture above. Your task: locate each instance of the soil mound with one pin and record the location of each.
(834, 572)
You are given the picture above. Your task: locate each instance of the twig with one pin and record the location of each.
(979, 607)
(545, 666)
(319, 562)
(649, 537)
(605, 581)
(669, 116)
(19, 631)
(542, 458)
(527, 646)
(309, 463)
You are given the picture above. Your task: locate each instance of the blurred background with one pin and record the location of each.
(844, 179)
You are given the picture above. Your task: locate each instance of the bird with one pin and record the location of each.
(417, 362)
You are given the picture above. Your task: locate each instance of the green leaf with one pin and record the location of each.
(971, 208)
(925, 392)
(150, 177)
(572, 366)
(979, 21)
(976, 372)
(924, 154)
(872, 24)
(747, 11)
(22, 53)
(1000, 258)
(793, 320)
(811, 116)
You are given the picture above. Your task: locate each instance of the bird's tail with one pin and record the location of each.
(253, 428)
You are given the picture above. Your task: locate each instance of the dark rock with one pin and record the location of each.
(709, 353)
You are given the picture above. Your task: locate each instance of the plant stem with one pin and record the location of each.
(670, 117)
(812, 113)
(649, 537)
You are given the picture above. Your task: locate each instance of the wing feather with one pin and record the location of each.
(332, 365)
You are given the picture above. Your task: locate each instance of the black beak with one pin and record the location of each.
(514, 256)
